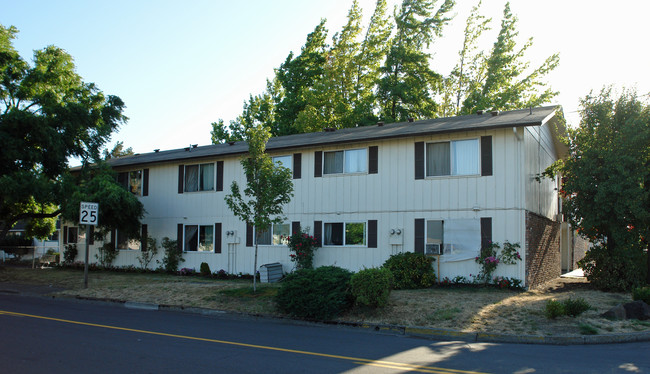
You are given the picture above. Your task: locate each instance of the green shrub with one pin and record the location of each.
(641, 293)
(411, 270)
(70, 253)
(570, 307)
(622, 270)
(173, 256)
(554, 309)
(575, 307)
(321, 293)
(587, 329)
(205, 269)
(371, 287)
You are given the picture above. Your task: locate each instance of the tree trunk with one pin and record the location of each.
(255, 269)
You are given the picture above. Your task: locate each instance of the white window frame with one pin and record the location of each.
(198, 177)
(346, 156)
(276, 232)
(68, 236)
(344, 234)
(198, 239)
(430, 243)
(453, 165)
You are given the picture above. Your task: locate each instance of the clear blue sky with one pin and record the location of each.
(181, 65)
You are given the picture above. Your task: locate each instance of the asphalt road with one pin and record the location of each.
(39, 335)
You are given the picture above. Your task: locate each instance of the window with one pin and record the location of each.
(123, 242)
(131, 181)
(435, 238)
(199, 177)
(273, 235)
(199, 238)
(345, 233)
(72, 235)
(283, 161)
(348, 161)
(458, 157)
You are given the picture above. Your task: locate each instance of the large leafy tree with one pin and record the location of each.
(298, 76)
(507, 82)
(606, 186)
(408, 84)
(48, 114)
(268, 188)
(469, 72)
(330, 102)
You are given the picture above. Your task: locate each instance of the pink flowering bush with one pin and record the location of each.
(302, 245)
(490, 257)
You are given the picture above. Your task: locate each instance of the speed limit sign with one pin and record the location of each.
(88, 213)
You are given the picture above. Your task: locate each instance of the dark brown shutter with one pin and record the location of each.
(249, 235)
(373, 160)
(297, 165)
(486, 155)
(91, 239)
(145, 182)
(418, 246)
(114, 238)
(181, 176)
(179, 237)
(419, 160)
(143, 240)
(372, 233)
(65, 234)
(318, 164)
(217, 237)
(486, 231)
(295, 227)
(318, 232)
(219, 175)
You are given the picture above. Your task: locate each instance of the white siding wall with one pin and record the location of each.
(541, 194)
(392, 197)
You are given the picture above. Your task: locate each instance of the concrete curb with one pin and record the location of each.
(413, 331)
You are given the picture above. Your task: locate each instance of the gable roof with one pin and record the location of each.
(484, 121)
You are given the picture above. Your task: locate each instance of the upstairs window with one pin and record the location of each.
(348, 161)
(284, 161)
(199, 177)
(131, 181)
(457, 157)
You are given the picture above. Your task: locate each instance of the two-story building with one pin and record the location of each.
(443, 187)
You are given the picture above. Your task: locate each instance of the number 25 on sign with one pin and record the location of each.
(88, 213)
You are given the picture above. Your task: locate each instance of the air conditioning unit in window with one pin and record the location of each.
(432, 249)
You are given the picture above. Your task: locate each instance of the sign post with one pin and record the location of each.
(88, 215)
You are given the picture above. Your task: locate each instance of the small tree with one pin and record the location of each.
(148, 252)
(268, 188)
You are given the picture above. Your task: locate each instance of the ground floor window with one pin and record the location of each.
(274, 235)
(435, 238)
(344, 233)
(199, 238)
(124, 242)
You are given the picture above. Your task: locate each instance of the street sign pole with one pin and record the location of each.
(88, 215)
(86, 259)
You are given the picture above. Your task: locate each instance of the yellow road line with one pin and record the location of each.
(359, 361)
